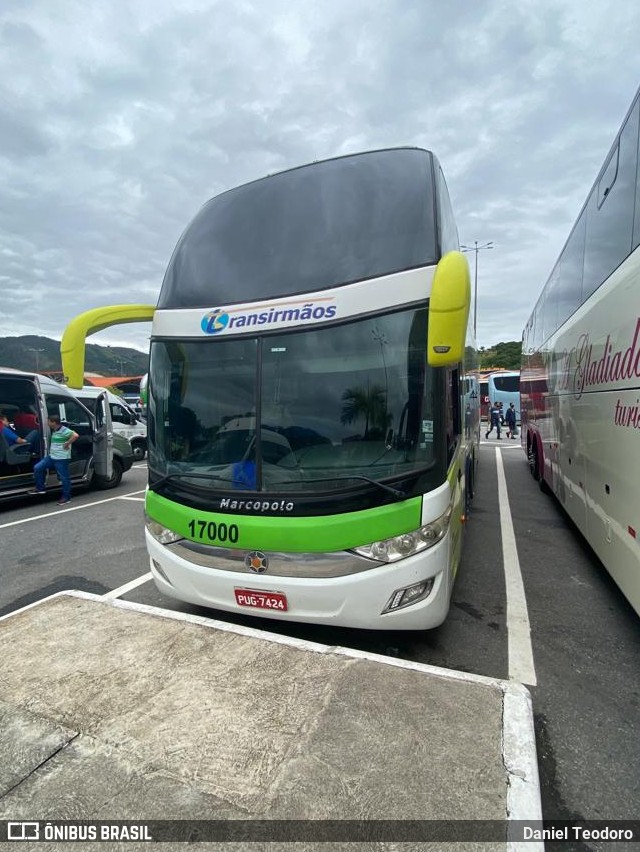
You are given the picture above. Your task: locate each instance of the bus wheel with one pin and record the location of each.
(139, 450)
(538, 472)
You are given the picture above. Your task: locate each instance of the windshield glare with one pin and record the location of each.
(355, 399)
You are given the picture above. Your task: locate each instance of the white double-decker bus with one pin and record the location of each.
(580, 379)
(312, 424)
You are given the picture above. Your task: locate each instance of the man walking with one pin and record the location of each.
(512, 429)
(494, 415)
(58, 459)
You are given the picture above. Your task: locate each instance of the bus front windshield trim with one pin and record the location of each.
(305, 411)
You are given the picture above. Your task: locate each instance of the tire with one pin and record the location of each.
(103, 482)
(538, 473)
(139, 450)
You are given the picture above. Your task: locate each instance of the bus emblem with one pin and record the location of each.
(214, 321)
(256, 561)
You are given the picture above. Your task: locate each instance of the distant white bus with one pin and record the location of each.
(580, 381)
(504, 387)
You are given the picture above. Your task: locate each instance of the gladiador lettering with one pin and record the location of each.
(280, 506)
(579, 370)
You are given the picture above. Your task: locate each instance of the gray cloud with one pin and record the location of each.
(119, 120)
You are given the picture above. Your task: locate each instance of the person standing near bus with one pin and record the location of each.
(494, 417)
(58, 459)
(510, 417)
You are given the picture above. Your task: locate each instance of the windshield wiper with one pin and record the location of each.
(399, 495)
(168, 476)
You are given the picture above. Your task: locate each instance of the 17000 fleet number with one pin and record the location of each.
(212, 531)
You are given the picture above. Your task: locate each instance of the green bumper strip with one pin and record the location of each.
(324, 534)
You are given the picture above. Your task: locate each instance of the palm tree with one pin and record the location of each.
(370, 403)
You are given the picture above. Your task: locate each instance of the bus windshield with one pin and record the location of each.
(508, 384)
(343, 220)
(302, 411)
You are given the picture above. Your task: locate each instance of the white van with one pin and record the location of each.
(124, 419)
(38, 397)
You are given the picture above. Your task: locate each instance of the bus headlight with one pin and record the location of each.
(401, 546)
(160, 533)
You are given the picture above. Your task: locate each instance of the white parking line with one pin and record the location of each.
(57, 512)
(122, 590)
(521, 666)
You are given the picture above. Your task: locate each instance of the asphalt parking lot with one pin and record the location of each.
(579, 656)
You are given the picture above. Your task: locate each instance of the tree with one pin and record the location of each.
(505, 356)
(370, 404)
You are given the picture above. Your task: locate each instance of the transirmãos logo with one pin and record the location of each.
(217, 320)
(214, 321)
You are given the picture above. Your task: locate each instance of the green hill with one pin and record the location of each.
(42, 354)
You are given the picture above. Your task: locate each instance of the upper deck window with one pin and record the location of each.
(307, 229)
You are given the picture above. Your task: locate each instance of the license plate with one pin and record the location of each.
(261, 600)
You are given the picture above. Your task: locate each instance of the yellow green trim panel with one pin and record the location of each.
(72, 345)
(324, 534)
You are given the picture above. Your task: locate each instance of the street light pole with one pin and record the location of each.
(476, 248)
(37, 351)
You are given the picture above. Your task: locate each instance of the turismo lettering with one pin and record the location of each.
(627, 415)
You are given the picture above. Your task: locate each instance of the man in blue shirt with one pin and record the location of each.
(58, 459)
(12, 438)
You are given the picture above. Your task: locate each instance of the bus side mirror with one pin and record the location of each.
(449, 304)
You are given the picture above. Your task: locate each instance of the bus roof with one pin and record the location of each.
(343, 220)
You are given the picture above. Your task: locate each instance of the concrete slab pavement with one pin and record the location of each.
(113, 710)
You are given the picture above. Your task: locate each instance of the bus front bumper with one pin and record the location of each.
(353, 600)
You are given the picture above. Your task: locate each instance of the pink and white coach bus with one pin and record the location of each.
(580, 380)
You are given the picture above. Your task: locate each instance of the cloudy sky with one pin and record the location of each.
(119, 119)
